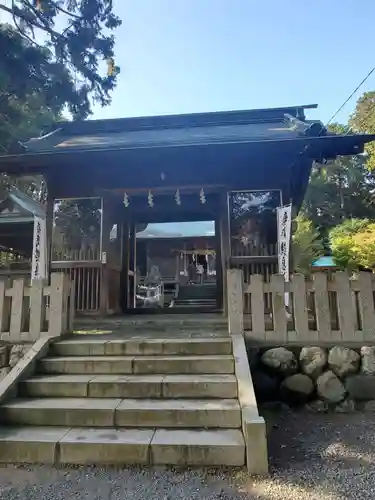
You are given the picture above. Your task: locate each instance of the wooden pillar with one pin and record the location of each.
(125, 266)
(218, 267)
(49, 231)
(105, 233)
(225, 250)
(132, 267)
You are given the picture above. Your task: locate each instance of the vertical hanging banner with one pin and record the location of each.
(284, 227)
(39, 260)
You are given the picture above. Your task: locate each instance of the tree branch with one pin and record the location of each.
(22, 33)
(18, 13)
(65, 11)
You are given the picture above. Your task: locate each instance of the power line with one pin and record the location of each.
(351, 95)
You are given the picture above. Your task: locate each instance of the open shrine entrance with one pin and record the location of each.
(171, 243)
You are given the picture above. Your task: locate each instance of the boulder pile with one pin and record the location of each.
(338, 378)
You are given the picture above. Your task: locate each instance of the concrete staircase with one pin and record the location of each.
(128, 401)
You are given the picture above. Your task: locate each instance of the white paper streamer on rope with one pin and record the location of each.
(39, 259)
(177, 197)
(202, 196)
(284, 225)
(126, 200)
(150, 199)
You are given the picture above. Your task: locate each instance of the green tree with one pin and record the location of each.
(54, 55)
(364, 247)
(306, 245)
(343, 245)
(363, 120)
(342, 189)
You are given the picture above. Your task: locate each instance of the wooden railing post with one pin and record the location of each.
(235, 301)
(58, 310)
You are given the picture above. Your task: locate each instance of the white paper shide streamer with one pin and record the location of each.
(284, 227)
(39, 259)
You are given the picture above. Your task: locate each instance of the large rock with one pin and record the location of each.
(361, 387)
(280, 360)
(313, 360)
(297, 388)
(330, 388)
(16, 353)
(368, 360)
(266, 387)
(4, 358)
(343, 361)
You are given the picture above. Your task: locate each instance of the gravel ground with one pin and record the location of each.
(325, 457)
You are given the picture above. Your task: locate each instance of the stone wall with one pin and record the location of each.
(321, 379)
(10, 355)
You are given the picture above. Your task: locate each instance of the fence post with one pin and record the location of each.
(36, 304)
(17, 310)
(235, 301)
(58, 309)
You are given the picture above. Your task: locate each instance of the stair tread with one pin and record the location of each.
(119, 403)
(138, 356)
(143, 339)
(71, 378)
(105, 434)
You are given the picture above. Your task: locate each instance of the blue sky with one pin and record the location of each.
(182, 56)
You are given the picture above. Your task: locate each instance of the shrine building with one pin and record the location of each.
(110, 181)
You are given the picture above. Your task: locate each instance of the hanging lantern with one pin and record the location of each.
(150, 199)
(126, 200)
(110, 66)
(202, 196)
(177, 197)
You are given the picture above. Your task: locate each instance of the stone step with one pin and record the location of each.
(108, 412)
(123, 365)
(131, 386)
(63, 445)
(139, 347)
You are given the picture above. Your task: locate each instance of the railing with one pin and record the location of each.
(87, 279)
(30, 311)
(318, 310)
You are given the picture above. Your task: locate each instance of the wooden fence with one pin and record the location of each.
(30, 311)
(319, 309)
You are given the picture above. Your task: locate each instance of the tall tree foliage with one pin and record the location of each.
(54, 56)
(306, 245)
(345, 246)
(344, 188)
(363, 120)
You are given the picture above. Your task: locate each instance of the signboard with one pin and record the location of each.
(284, 226)
(39, 259)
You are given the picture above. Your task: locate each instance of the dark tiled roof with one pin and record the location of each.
(198, 128)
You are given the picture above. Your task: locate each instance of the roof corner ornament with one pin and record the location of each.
(202, 196)
(126, 200)
(177, 197)
(150, 199)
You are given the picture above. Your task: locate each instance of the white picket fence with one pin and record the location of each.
(30, 310)
(321, 309)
